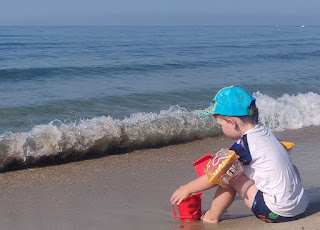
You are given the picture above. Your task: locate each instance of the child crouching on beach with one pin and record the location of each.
(269, 185)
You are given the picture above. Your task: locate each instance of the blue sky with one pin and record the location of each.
(158, 12)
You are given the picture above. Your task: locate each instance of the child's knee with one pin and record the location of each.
(227, 191)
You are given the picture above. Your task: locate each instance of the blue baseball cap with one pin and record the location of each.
(230, 101)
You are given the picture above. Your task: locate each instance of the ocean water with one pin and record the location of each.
(83, 90)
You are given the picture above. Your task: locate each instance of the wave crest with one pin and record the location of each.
(288, 112)
(102, 135)
(106, 135)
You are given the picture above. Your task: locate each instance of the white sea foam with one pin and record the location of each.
(104, 134)
(289, 112)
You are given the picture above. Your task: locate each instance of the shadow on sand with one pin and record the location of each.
(314, 201)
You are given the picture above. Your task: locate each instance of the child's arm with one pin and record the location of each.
(197, 185)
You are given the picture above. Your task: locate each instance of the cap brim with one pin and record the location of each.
(207, 112)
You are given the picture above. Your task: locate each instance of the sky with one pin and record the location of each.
(158, 12)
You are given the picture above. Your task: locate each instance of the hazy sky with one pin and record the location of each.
(159, 12)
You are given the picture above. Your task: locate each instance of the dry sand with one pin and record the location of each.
(132, 191)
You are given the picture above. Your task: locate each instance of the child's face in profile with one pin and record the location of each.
(228, 126)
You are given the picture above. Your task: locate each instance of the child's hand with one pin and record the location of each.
(179, 195)
(200, 184)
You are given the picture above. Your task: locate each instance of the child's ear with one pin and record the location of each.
(233, 122)
(230, 121)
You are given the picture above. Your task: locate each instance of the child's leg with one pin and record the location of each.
(223, 198)
(246, 189)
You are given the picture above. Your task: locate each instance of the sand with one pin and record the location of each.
(132, 191)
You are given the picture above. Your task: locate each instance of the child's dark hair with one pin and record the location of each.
(253, 113)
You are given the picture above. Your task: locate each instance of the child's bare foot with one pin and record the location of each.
(207, 218)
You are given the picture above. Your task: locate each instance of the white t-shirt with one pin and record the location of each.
(270, 167)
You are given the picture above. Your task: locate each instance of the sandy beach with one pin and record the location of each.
(132, 190)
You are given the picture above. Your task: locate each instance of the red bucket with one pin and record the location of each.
(190, 208)
(201, 164)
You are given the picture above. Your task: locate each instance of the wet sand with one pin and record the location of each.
(132, 191)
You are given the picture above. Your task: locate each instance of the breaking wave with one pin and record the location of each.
(106, 135)
(103, 135)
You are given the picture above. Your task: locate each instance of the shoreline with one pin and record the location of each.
(132, 191)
